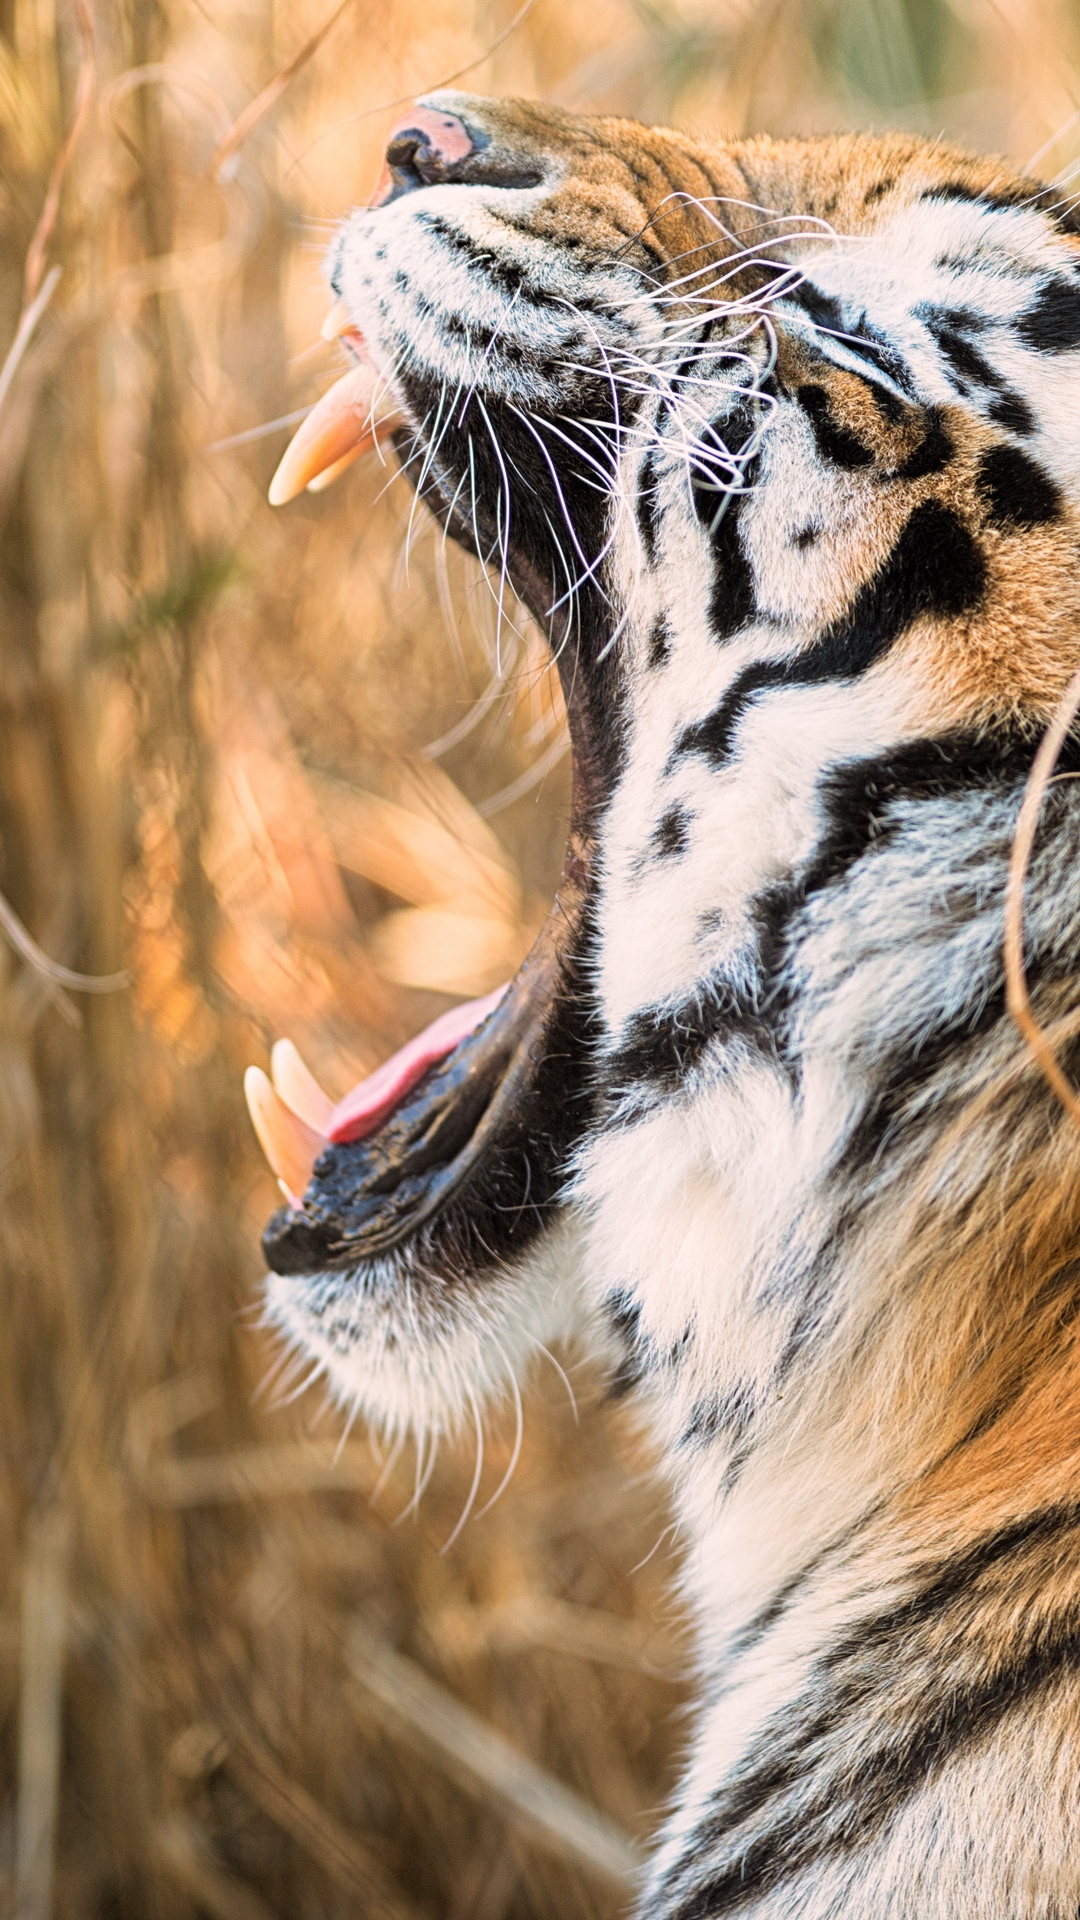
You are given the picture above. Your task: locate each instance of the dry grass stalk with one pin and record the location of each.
(246, 122)
(24, 332)
(1017, 997)
(188, 1856)
(347, 1863)
(261, 1472)
(483, 1762)
(34, 265)
(44, 1625)
(586, 1633)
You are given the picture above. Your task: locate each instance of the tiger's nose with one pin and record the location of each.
(422, 147)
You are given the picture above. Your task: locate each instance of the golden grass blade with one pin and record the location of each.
(585, 1633)
(416, 855)
(258, 1473)
(44, 1620)
(25, 331)
(447, 951)
(256, 109)
(342, 1857)
(164, 1409)
(51, 970)
(486, 1765)
(84, 93)
(1017, 997)
(192, 1863)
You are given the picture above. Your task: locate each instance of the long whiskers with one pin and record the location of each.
(519, 1435)
(477, 1472)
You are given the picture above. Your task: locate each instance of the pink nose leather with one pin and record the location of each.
(422, 134)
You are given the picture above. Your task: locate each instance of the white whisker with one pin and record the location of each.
(477, 1472)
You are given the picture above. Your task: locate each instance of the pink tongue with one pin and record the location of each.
(368, 1104)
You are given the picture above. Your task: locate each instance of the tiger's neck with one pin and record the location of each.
(834, 1219)
(801, 981)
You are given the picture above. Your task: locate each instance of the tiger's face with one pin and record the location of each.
(781, 443)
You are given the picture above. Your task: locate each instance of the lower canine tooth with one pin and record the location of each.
(290, 1145)
(294, 1081)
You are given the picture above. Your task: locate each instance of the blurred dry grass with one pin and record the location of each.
(301, 784)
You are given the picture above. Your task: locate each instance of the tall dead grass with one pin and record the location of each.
(288, 771)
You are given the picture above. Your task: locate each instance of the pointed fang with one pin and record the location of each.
(295, 1083)
(290, 1145)
(329, 474)
(355, 413)
(336, 321)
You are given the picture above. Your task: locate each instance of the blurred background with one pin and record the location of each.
(289, 773)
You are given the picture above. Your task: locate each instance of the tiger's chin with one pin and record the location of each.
(403, 1341)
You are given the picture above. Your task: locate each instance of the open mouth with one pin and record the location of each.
(475, 1109)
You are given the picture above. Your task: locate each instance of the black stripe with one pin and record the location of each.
(861, 803)
(833, 441)
(860, 796)
(1013, 413)
(732, 602)
(998, 200)
(861, 800)
(671, 835)
(862, 339)
(661, 1046)
(1017, 491)
(935, 568)
(1052, 323)
(713, 473)
(509, 276)
(624, 1316)
(659, 642)
(648, 507)
(933, 453)
(729, 1413)
(769, 1616)
(975, 1622)
(950, 328)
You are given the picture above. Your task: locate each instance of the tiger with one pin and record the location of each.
(779, 441)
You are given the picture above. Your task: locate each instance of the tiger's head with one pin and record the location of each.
(780, 441)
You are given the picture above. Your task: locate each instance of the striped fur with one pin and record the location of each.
(783, 439)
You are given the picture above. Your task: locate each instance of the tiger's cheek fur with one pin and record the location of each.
(820, 1203)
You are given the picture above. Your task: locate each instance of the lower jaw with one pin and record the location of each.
(469, 1167)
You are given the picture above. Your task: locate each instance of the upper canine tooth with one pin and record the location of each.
(294, 1081)
(336, 321)
(350, 417)
(290, 1145)
(329, 474)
